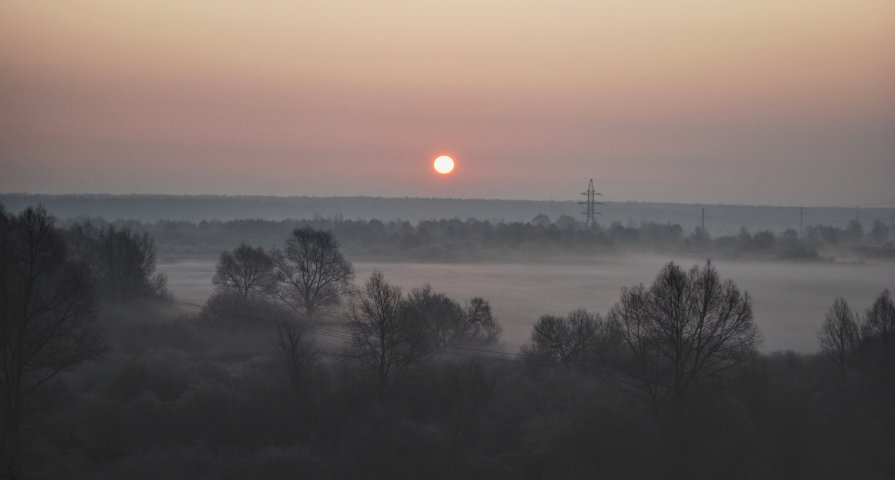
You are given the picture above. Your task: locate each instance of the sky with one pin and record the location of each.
(695, 101)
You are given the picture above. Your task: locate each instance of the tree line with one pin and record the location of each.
(455, 239)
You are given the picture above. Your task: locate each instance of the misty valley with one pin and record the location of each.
(447, 240)
(790, 298)
(332, 348)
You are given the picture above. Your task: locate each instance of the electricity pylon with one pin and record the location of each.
(590, 207)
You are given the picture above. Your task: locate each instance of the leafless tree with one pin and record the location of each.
(47, 320)
(480, 326)
(450, 324)
(878, 339)
(840, 338)
(386, 340)
(442, 316)
(881, 319)
(125, 264)
(313, 274)
(572, 340)
(686, 329)
(247, 271)
(296, 353)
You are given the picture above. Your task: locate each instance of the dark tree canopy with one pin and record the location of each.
(580, 339)
(47, 319)
(480, 325)
(840, 339)
(124, 264)
(878, 338)
(313, 274)
(450, 324)
(686, 329)
(881, 317)
(387, 341)
(248, 271)
(442, 316)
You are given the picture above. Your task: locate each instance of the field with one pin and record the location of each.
(790, 299)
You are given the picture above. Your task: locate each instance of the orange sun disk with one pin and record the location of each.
(444, 164)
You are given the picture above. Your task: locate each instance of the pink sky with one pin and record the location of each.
(763, 102)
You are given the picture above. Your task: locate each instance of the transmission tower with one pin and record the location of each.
(590, 210)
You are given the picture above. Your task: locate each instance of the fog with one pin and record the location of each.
(330, 348)
(790, 299)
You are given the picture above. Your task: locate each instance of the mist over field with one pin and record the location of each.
(791, 299)
(443, 348)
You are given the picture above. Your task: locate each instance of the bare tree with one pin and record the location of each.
(313, 274)
(688, 333)
(296, 353)
(247, 271)
(878, 339)
(480, 326)
(386, 340)
(840, 338)
(442, 316)
(881, 319)
(125, 264)
(47, 320)
(575, 339)
(450, 324)
(687, 328)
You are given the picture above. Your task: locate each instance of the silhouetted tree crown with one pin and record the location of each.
(312, 272)
(686, 330)
(248, 271)
(579, 339)
(124, 264)
(840, 338)
(387, 340)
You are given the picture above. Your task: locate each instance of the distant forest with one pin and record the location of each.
(719, 219)
(472, 239)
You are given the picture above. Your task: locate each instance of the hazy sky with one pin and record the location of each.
(759, 101)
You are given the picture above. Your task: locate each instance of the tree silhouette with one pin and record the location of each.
(247, 271)
(881, 319)
(296, 353)
(125, 264)
(313, 274)
(568, 341)
(480, 326)
(686, 329)
(386, 340)
(47, 314)
(442, 316)
(840, 338)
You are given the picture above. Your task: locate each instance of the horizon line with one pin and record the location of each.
(878, 205)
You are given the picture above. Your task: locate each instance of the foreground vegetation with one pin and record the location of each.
(293, 369)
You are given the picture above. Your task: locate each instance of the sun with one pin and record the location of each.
(444, 164)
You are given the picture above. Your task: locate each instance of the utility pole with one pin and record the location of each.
(801, 220)
(590, 210)
(702, 222)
